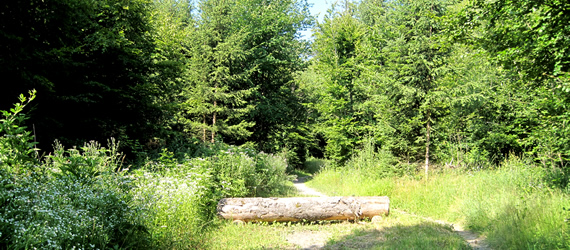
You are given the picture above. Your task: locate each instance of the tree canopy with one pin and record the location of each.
(430, 81)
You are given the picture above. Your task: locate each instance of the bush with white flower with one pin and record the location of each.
(82, 198)
(75, 198)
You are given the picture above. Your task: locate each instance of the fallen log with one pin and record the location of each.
(303, 208)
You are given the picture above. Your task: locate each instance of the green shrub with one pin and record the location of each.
(178, 204)
(81, 202)
(76, 198)
(558, 178)
(17, 147)
(375, 163)
(60, 213)
(82, 198)
(314, 165)
(240, 172)
(182, 194)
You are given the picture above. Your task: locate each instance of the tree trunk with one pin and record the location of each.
(214, 115)
(303, 208)
(428, 128)
(214, 124)
(204, 129)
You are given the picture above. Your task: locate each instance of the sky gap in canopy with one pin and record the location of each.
(318, 8)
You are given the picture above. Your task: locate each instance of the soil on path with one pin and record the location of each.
(304, 190)
(307, 239)
(317, 240)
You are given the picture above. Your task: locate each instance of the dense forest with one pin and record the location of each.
(431, 83)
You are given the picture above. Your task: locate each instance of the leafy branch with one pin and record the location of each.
(17, 147)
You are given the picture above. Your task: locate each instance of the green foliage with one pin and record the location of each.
(182, 195)
(241, 61)
(75, 199)
(17, 144)
(502, 203)
(528, 36)
(464, 84)
(178, 202)
(86, 163)
(376, 72)
(529, 40)
(83, 198)
(414, 59)
(67, 213)
(330, 83)
(314, 165)
(94, 56)
(479, 128)
(454, 81)
(373, 163)
(240, 172)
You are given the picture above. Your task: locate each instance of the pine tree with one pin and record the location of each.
(414, 58)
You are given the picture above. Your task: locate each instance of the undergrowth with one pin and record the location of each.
(182, 196)
(86, 198)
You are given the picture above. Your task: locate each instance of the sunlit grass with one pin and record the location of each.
(511, 205)
(397, 231)
(314, 165)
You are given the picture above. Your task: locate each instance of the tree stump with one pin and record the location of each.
(303, 208)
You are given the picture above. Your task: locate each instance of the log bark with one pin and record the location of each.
(303, 208)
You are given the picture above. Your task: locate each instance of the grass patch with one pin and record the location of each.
(397, 231)
(512, 205)
(339, 182)
(314, 165)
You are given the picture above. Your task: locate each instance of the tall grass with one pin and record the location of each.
(513, 205)
(182, 196)
(361, 174)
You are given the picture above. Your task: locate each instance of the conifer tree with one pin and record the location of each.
(336, 45)
(414, 58)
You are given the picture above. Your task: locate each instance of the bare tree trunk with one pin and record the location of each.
(214, 115)
(303, 208)
(214, 124)
(428, 128)
(204, 128)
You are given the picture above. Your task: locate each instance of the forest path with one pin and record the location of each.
(317, 241)
(307, 239)
(304, 190)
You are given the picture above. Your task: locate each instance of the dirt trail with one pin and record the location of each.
(307, 239)
(317, 240)
(304, 190)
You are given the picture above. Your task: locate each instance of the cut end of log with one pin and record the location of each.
(303, 208)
